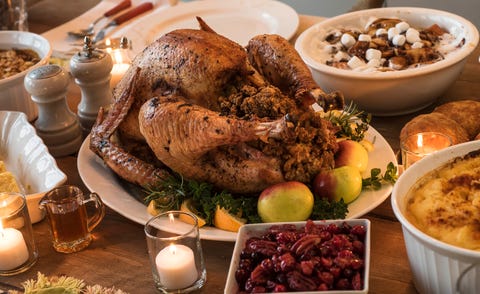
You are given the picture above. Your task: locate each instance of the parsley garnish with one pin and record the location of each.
(376, 180)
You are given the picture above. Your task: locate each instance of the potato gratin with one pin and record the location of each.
(445, 203)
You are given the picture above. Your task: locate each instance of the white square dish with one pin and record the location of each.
(26, 156)
(257, 230)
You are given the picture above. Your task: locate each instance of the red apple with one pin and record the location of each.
(285, 202)
(344, 182)
(351, 153)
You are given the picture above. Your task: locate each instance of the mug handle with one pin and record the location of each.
(95, 219)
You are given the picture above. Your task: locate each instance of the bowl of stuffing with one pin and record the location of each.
(437, 202)
(306, 257)
(20, 52)
(389, 61)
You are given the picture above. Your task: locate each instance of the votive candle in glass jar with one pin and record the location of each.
(417, 146)
(17, 247)
(175, 251)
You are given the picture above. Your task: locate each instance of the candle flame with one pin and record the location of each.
(108, 45)
(171, 218)
(117, 56)
(173, 249)
(420, 140)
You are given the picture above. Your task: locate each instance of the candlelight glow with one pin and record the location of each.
(108, 45)
(420, 140)
(173, 249)
(118, 56)
(171, 218)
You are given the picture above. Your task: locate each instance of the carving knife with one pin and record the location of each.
(123, 18)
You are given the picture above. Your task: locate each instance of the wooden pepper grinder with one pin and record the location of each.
(56, 124)
(91, 69)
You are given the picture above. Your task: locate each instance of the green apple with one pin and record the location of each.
(343, 182)
(351, 153)
(285, 202)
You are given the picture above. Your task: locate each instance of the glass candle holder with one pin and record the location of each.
(17, 247)
(419, 145)
(120, 54)
(175, 252)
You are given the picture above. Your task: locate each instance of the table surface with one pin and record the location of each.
(118, 255)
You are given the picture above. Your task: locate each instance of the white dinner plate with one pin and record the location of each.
(99, 178)
(238, 20)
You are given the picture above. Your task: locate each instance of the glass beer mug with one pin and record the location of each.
(69, 221)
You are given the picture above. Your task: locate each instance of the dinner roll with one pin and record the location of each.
(435, 122)
(465, 112)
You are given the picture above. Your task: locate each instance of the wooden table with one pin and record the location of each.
(118, 256)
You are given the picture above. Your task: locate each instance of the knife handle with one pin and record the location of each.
(119, 7)
(133, 12)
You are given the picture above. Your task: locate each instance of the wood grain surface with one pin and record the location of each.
(118, 255)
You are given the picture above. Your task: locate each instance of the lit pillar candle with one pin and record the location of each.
(118, 70)
(121, 63)
(176, 267)
(13, 249)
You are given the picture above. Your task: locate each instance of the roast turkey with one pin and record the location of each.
(213, 111)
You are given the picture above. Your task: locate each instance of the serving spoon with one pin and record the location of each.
(91, 28)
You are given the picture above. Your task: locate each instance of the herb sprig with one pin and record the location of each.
(351, 122)
(376, 179)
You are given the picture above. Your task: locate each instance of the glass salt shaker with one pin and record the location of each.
(91, 69)
(56, 124)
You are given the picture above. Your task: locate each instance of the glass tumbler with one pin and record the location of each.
(17, 247)
(175, 251)
(13, 15)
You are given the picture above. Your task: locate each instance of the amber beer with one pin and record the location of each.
(69, 221)
(71, 225)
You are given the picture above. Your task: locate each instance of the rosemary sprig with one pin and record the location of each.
(352, 122)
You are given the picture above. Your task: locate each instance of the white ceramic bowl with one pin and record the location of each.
(394, 92)
(28, 159)
(13, 95)
(436, 266)
(255, 230)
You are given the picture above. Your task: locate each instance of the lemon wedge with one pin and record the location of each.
(187, 207)
(224, 220)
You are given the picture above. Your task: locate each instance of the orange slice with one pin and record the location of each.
(188, 207)
(224, 220)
